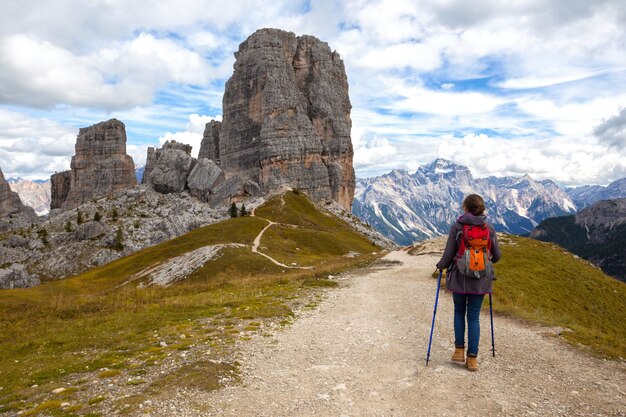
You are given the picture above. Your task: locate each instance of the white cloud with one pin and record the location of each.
(192, 135)
(34, 147)
(613, 131)
(370, 149)
(124, 74)
(566, 160)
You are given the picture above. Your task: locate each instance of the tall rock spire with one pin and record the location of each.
(99, 168)
(286, 117)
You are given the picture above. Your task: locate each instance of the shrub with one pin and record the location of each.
(79, 217)
(97, 217)
(114, 214)
(118, 244)
(68, 226)
(43, 235)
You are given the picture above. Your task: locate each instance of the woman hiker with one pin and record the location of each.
(468, 291)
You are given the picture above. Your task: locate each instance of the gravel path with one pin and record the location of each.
(362, 353)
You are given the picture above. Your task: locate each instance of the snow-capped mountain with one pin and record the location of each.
(411, 207)
(588, 194)
(33, 193)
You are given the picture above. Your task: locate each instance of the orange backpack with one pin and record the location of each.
(474, 256)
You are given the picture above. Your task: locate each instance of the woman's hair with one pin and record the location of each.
(474, 204)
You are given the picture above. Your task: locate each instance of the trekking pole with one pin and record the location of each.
(432, 326)
(493, 340)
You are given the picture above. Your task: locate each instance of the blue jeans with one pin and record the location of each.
(470, 303)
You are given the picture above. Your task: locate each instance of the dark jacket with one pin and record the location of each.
(455, 281)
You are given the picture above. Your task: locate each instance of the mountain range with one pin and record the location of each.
(588, 194)
(33, 193)
(411, 207)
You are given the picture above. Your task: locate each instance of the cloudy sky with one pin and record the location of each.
(533, 86)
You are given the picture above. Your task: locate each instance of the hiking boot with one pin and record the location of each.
(458, 355)
(471, 364)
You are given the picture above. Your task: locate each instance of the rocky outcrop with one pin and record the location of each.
(596, 233)
(59, 188)
(91, 230)
(151, 160)
(286, 118)
(173, 165)
(16, 276)
(210, 145)
(68, 246)
(604, 214)
(99, 168)
(204, 178)
(13, 214)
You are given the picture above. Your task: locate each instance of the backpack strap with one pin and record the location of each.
(461, 241)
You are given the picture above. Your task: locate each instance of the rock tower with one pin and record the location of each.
(100, 167)
(286, 118)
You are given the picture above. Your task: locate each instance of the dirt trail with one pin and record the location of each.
(257, 242)
(362, 352)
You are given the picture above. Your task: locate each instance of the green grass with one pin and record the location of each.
(240, 230)
(86, 323)
(317, 237)
(539, 282)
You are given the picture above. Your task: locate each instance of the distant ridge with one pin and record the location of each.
(412, 207)
(588, 194)
(597, 233)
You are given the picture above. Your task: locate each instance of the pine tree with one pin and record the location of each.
(79, 217)
(243, 211)
(97, 217)
(114, 214)
(233, 210)
(68, 226)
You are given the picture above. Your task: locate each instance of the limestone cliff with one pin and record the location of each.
(99, 168)
(13, 214)
(286, 118)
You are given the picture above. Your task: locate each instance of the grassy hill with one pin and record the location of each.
(543, 283)
(609, 254)
(102, 326)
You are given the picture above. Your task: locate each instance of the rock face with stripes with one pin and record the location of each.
(99, 168)
(286, 118)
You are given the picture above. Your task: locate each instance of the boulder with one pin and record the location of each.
(89, 230)
(252, 189)
(17, 241)
(203, 178)
(231, 189)
(173, 165)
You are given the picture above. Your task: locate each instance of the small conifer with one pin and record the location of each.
(79, 217)
(114, 214)
(119, 240)
(243, 211)
(97, 217)
(233, 210)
